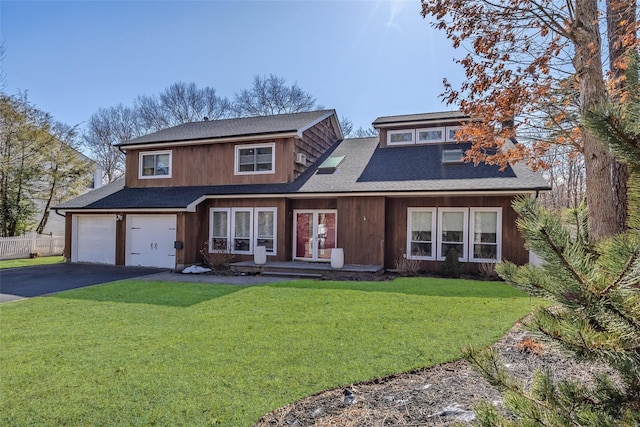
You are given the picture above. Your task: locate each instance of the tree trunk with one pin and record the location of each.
(588, 65)
(621, 16)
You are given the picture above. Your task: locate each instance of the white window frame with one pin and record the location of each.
(233, 231)
(498, 243)
(141, 156)
(434, 233)
(211, 236)
(255, 146)
(430, 141)
(275, 229)
(454, 129)
(401, 131)
(465, 232)
(253, 230)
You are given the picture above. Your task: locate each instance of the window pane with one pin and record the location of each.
(453, 226)
(430, 135)
(268, 243)
(486, 222)
(220, 224)
(420, 249)
(241, 245)
(219, 244)
(265, 224)
(400, 137)
(458, 247)
(162, 164)
(421, 221)
(148, 165)
(485, 251)
(243, 224)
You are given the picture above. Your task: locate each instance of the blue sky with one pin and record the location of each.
(363, 58)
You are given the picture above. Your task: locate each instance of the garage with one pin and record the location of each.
(94, 239)
(150, 240)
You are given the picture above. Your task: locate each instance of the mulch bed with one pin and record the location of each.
(441, 395)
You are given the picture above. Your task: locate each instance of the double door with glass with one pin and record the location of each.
(315, 233)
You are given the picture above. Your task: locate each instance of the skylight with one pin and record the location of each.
(330, 165)
(452, 156)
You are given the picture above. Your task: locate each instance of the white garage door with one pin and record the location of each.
(94, 239)
(150, 240)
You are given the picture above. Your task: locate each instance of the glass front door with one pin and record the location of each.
(314, 234)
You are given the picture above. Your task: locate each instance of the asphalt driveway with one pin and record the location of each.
(25, 282)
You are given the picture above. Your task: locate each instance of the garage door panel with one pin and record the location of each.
(150, 240)
(95, 239)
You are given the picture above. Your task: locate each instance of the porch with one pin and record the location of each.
(302, 269)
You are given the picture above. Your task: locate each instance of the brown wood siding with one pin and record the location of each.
(211, 164)
(314, 143)
(67, 235)
(361, 229)
(396, 227)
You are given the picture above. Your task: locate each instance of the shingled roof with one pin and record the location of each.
(366, 168)
(239, 127)
(443, 116)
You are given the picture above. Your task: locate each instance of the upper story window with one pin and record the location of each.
(430, 135)
(155, 164)
(255, 159)
(426, 136)
(403, 137)
(451, 133)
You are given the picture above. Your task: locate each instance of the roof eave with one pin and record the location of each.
(235, 138)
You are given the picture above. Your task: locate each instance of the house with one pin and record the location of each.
(293, 184)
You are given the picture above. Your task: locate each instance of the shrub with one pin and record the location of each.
(452, 267)
(218, 259)
(407, 266)
(487, 271)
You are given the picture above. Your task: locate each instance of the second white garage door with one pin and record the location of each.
(94, 239)
(150, 240)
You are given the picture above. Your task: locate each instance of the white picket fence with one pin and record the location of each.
(31, 243)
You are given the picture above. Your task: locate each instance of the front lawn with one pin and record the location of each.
(159, 353)
(28, 262)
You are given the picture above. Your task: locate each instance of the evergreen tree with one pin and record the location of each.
(596, 286)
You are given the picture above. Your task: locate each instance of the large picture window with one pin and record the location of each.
(255, 159)
(421, 231)
(156, 164)
(240, 230)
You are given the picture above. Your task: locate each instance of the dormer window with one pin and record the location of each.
(255, 159)
(401, 137)
(451, 133)
(155, 164)
(430, 135)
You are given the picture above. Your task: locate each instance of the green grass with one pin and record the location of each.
(157, 353)
(28, 262)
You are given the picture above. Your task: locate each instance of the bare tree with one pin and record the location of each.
(180, 103)
(66, 172)
(107, 127)
(271, 95)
